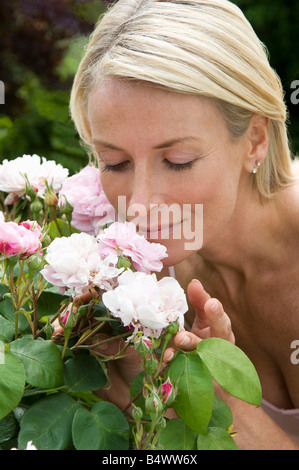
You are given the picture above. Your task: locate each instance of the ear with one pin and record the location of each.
(258, 142)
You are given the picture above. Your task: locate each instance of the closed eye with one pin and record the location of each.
(179, 166)
(118, 167)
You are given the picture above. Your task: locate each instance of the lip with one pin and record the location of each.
(158, 232)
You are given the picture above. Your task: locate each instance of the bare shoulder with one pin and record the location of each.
(289, 201)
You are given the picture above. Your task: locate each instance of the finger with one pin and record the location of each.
(104, 344)
(82, 300)
(220, 324)
(198, 298)
(169, 354)
(186, 340)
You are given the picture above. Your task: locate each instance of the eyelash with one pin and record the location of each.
(119, 167)
(179, 166)
(170, 165)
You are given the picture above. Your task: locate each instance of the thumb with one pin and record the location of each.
(198, 297)
(220, 324)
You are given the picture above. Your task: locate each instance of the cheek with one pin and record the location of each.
(111, 188)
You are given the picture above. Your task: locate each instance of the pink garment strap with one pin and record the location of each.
(288, 420)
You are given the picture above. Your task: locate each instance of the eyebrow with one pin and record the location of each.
(167, 144)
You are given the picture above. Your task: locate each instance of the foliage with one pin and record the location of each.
(41, 46)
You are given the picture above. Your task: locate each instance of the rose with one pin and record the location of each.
(145, 256)
(33, 226)
(144, 303)
(91, 208)
(167, 392)
(19, 239)
(36, 170)
(75, 262)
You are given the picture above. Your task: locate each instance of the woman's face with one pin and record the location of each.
(168, 155)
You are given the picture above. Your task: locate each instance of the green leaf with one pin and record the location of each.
(195, 390)
(221, 415)
(12, 382)
(60, 228)
(49, 303)
(136, 388)
(102, 428)
(3, 287)
(7, 330)
(42, 361)
(177, 436)
(216, 439)
(83, 373)
(8, 427)
(48, 423)
(232, 369)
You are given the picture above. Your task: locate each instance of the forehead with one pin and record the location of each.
(116, 107)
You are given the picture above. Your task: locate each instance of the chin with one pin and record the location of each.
(176, 254)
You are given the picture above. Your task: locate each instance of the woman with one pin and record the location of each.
(181, 106)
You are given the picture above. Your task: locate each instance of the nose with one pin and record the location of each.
(145, 193)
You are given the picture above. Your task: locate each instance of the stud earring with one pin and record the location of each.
(258, 164)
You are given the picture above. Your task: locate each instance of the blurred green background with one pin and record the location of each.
(41, 43)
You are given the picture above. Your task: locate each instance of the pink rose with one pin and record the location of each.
(166, 390)
(91, 208)
(145, 256)
(33, 226)
(18, 240)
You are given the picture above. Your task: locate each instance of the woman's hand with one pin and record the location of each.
(210, 321)
(82, 300)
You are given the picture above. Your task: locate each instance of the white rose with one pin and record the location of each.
(37, 170)
(75, 262)
(143, 302)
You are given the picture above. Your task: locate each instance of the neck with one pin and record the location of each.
(255, 236)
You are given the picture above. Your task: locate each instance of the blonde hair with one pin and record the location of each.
(198, 47)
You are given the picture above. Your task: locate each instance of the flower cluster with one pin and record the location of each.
(81, 262)
(79, 198)
(142, 302)
(15, 175)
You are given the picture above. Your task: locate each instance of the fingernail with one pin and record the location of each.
(198, 282)
(185, 342)
(169, 357)
(214, 307)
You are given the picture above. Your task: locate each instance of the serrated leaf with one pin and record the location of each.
(177, 436)
(48, 423)
(60, 228)
(221, 415)
(216, 439)
(42, 361)
(231, 369)
(195, 390)
(83, 373)
(8, 427)
(102, 428)
(12, 382)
